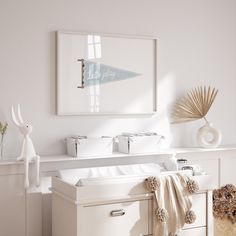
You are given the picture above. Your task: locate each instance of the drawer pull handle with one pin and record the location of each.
(119, 212)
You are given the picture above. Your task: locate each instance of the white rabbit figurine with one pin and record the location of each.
(27, 152)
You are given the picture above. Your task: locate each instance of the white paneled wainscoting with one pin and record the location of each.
(29, 212)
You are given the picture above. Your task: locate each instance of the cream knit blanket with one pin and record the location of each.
(172, 203)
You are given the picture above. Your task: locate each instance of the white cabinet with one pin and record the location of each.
(12, 205)
(117, 209)
(20, 210)
(101, 210)
(219, 163)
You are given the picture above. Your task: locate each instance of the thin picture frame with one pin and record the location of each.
(63, 112)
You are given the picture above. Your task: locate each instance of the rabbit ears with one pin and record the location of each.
(17, 119)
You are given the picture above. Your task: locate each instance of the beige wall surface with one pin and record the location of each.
(196, 47)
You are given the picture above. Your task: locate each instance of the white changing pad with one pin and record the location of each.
(73, 176)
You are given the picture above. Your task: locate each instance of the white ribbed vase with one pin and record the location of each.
(208, 136)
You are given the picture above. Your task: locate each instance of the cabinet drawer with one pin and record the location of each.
(199, 207)
(127, 218)
(194, 232)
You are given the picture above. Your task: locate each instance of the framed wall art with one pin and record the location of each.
(106, 74)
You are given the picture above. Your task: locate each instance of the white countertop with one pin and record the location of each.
(117, 155)
(50, 164)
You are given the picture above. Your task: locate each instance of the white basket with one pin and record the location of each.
(83, 146)
(139, 143)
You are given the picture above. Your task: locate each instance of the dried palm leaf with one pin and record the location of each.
(194, 105)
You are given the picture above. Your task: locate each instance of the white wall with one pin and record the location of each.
(196, 47)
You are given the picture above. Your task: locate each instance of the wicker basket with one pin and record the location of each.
(224, 228)
(224, 210)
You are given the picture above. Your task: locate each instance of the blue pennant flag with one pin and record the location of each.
(98, 73)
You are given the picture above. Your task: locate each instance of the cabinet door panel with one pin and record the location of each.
(107, 220)
(194, 232)
(12, 205)
(199, 207)
(34, 213)
(228, 171)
